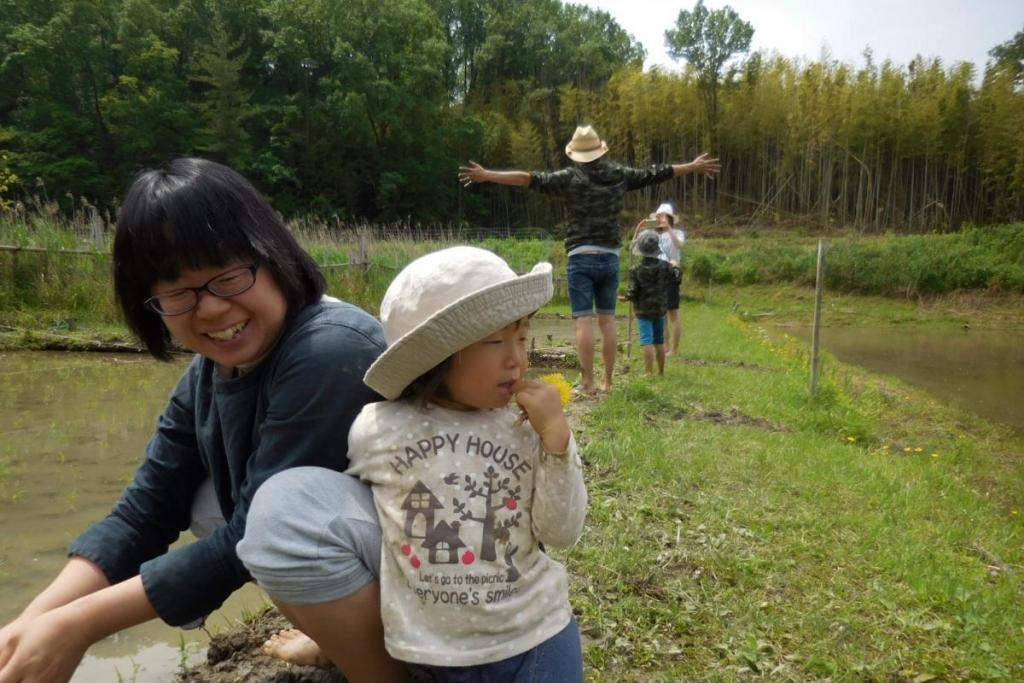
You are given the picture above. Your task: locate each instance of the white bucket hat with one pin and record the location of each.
(443, 302)
(667, 209)
(586, 145)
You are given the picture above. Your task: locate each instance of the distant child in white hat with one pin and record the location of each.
(472, 466)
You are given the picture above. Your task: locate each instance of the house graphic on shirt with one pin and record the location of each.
(419, 508)
(443, 542)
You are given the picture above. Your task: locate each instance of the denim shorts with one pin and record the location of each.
(593, 280)
(652, 330)
(559, 659)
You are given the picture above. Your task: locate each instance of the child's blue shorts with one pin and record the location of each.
(652, 330)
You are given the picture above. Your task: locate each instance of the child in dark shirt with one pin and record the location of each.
(648, 287)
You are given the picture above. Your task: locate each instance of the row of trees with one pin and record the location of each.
(364, 108)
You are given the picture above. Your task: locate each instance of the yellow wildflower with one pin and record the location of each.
(935, 455)
(907, 449)
(1015, 512)
(851, 439)
(918, 449)
(558, 380)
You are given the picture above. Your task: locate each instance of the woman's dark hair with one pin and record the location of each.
(193, 214)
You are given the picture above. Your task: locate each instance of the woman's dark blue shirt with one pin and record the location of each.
(294, 408)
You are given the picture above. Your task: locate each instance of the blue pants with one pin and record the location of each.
(558, 659)
(593, 279)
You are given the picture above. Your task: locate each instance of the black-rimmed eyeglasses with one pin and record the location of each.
(180, 301)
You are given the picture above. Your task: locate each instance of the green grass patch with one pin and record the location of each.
(978, 258)
(793, 304)
(983, 263)
(740, 529)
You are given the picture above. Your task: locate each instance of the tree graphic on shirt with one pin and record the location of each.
(496, 495)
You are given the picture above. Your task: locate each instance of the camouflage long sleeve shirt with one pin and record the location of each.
(594, 194)
(649, 281)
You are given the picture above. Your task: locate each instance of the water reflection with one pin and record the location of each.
(978, 370)
(72, 431)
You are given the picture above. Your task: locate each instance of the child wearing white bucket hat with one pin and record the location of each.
(473, 466)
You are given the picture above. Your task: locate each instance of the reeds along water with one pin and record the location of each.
(59, 265)
(71, 276)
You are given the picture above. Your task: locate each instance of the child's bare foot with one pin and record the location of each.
(294, 647)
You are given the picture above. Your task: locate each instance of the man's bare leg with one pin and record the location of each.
(659, 351)
(674, 332)
(585, 350)
(348, 632)
(608, 346)
(649, 359)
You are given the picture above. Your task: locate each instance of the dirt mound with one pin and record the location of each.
(235, 656)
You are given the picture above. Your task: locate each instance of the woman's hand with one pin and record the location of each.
(46, 649)
(543, 407)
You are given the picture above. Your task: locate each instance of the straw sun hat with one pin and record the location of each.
(443, 302)
(586, 145)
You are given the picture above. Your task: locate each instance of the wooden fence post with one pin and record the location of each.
(819, 286)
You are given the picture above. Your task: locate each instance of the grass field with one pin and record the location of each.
(739, 529)
(70, 281)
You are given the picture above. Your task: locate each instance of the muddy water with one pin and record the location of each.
(978, 370)
(72, 430)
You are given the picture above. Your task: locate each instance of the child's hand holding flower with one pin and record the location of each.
(542, 404)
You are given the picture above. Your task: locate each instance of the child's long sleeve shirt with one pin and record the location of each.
(463, 499)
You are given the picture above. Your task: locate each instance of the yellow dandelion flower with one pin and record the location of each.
(851, 439)
(918, 449)
(935, 455)
(558, 380)
(907, 449)
(1015, 512)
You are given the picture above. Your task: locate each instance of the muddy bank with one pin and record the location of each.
(235, 656)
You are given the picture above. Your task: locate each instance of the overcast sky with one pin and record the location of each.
(953, 30)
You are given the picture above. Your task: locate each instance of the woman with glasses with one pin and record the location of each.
(201, 261)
